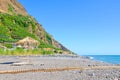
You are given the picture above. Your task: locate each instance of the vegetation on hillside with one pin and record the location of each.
(16, 27)
(22, 34)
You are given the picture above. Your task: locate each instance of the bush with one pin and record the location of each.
(8, 45)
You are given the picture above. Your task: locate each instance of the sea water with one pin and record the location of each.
(115, 59)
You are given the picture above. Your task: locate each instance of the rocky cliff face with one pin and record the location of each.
(12, 6)
(32, 27)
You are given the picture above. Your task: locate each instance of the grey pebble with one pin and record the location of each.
(59, 61)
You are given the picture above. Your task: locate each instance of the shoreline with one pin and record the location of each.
(113, 59)
(69, 67)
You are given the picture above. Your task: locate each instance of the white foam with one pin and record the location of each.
(91, 57)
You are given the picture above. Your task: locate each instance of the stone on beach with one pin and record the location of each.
(102, 71)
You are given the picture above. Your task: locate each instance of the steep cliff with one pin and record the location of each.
(16, 24)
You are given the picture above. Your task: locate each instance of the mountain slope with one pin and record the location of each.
(16, 24)
(12, 6)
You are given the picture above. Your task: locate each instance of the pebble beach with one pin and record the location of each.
(61, 65)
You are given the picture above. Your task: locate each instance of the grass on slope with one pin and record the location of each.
(14, 28)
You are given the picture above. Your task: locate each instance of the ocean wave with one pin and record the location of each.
(91, 57)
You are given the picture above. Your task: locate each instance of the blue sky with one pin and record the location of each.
(83, 26)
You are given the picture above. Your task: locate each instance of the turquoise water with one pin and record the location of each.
(115, 59)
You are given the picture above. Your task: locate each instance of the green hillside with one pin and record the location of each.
(21, 34)
(16, 27)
